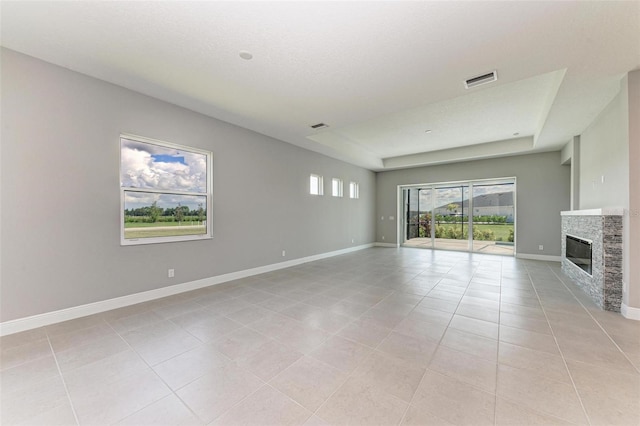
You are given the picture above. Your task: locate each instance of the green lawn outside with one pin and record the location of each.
(156, 224)
(151, 232)
(499, 230)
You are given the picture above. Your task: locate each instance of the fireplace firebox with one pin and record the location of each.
(579, 252)
(592, 253)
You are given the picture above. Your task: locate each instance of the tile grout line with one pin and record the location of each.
(597, 322)
(495, 399)
(498, 341)
(404, 415)
(564, 361)
(64, 382)
(240, 401)
(535, 350)
(406, 410)
(530, 272)
(155, 373)
(268, 383)
(351, 373)
(332, 335)
(495, 392)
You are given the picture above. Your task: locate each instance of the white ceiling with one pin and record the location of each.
(379, 73)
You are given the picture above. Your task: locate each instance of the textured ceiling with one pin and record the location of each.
(379, 73)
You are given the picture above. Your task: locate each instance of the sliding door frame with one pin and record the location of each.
(402, 225)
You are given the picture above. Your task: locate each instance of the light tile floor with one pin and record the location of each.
(380, 336)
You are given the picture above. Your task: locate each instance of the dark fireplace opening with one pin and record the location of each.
(579, 252)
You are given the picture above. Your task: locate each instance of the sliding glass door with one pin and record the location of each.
(452, 217)
(474, 216)
(418, 204)
(493, 207)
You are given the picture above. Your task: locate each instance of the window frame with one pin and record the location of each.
(319, 187)
(354, 190)
(340, 188)
(208, 194)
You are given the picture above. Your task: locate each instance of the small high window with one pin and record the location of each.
(354, 190)
(315, 185)
(336, 187)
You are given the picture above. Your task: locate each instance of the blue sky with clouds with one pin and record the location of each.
(145, 165)
(453, 194)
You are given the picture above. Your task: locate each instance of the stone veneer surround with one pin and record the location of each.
(604, 228)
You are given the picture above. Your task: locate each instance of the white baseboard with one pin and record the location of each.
(40, 320)
(392, 245)
(629, 312)
(544, 257)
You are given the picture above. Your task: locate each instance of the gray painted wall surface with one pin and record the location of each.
(61, 202)
(631, 222)
(605, 150)
(570, 157)
(543, 191)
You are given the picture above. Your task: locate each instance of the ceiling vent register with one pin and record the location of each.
(319, 126)
(481, 79)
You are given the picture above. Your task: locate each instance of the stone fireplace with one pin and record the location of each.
(602, 230)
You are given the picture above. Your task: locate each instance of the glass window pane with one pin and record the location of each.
(452, 217)
(145, 165)
(418, 217)
(151, 215)
(336, 187)
(353, 190)
(494, 217)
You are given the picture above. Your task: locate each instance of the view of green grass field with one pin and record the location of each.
(151, 230)
(500, 231)
(159, 224)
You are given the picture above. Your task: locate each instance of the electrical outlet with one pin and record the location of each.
(171, 273)
(353, 241)
(383, 238)
(540, 247)
(284, 253)
(381, 217)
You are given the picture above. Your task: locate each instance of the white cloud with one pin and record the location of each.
(141, 170)
(449, 195)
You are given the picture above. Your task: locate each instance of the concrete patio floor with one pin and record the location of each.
(489, 247)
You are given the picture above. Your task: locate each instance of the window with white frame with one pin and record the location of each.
(354, 190)
(315, 185)
(165, 192)
(336, 187)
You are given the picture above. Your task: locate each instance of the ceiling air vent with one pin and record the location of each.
(481, 79)
(319, 126)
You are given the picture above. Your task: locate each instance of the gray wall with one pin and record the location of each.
(631, 222)
(609, 148)
(604, 152)
(543, 191)
(60, 209)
